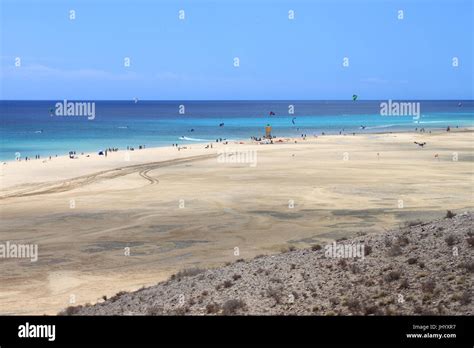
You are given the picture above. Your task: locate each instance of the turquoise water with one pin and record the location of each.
(27, 127)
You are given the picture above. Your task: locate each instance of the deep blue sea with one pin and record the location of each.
(30, 127)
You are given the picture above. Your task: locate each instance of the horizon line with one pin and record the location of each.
(234, 100)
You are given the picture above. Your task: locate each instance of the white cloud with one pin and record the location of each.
(33, 71)
(374, 80)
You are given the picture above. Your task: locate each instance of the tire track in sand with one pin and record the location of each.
(144, 175)
(74, 183)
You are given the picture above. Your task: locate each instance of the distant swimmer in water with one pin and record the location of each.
(362, 127)
(272, 113)
(293, 120)
(191, 130)
(221, 124)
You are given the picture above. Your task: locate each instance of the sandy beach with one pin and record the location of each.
(104, 225)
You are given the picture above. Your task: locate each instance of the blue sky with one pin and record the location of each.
(279, 58)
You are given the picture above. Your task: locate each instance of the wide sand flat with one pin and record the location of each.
(179, 209)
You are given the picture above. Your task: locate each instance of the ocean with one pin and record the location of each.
(28, 128)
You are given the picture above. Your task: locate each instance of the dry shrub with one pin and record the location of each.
(189, 272)
(232, 306)
(428, 286)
